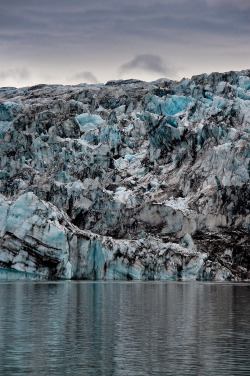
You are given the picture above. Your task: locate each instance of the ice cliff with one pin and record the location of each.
(127, 180)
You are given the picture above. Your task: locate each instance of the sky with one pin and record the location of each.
(92, 41)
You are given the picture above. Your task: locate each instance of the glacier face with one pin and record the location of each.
(128, 180)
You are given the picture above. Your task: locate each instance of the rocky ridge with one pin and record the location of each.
(128, 180)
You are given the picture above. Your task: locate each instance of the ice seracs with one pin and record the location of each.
(128, 180)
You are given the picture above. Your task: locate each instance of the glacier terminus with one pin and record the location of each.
(128, 180)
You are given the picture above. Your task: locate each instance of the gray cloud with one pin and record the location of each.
(88, 77)
(15, 74)
(241, 4)
(148, 62)
(61, 22)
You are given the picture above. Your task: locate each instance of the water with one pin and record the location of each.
(127, 328)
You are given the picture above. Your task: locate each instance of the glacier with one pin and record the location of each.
(128, 180)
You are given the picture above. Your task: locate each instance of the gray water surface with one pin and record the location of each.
(150, 328)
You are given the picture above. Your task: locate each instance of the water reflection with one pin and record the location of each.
(75, 328)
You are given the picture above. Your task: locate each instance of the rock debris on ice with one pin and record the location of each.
(128, 180)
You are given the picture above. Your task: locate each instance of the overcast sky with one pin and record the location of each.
(74, 41)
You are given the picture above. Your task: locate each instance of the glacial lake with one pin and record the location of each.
(124, 328)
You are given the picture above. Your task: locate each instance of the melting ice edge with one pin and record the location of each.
(128, 180)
